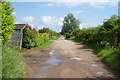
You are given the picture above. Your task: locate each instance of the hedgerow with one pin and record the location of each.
(32, 38)
(105, 39)
(12, 64)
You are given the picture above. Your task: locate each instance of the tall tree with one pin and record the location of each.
(70, 23)
(7, 21)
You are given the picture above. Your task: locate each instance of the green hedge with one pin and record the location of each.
(12, 63)
(111, 57)
(32, 38)
(105, 39)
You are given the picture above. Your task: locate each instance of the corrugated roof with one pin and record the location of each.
(19, 26)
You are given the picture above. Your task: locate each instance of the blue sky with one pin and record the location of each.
(51, 14)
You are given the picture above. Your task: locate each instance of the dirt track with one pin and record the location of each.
(65, 59)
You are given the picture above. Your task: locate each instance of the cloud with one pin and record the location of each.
(50, 22)
(89, 25)
(48, 5)
(63, 0)
(53, 23)
(76, 12)
(28, 19)
(14, 13)
(74, 3)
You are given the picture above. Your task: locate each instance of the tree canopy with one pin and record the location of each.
(70, 23)
(7, 21)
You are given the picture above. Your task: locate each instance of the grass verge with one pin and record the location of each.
(109, 55)
(45, 45)
(12, 63)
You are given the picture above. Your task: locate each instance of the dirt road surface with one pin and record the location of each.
(65, 59)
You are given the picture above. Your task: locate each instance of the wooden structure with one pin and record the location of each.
(16, 38)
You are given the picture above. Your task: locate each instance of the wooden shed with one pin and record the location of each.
(16, 38)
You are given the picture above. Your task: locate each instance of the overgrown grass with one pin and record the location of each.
(111, 57)
(12, 63)
(45, 45)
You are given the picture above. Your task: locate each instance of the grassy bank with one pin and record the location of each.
(109, 55)
(45, 45)
(12, 63)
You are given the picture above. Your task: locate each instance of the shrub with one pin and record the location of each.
(53, 38)
(28, 38)
(46, 36)
(111, 57)
(7, 21)
(13, 66)
(105, 39)
(33, 38)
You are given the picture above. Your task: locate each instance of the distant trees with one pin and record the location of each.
(33, 38)
(105, 39)
(52, 34)
(7, 21)
(70, 23)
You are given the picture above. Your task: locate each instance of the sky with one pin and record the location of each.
(51, 13)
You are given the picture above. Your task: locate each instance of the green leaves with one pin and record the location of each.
(7, 21)
(70, 23)
(12, 63)
(32, 38)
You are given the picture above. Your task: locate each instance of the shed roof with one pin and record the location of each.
(19, 26)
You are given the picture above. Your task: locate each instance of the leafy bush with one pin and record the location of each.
(13, 66)
(50, 32)
(28, 38)
(7, 21)
(111, 57)
(105, 39)
(54, 38)
(46, 36)
(33, 38)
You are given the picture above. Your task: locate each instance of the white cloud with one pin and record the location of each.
(28, 19)
(63, 0)
(76, 12)
(88, 25)
(14, 13)
(51, 22)
(48, 5)
(74, 3)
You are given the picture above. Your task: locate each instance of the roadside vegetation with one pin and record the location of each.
(104, 39)
(12, 62)
(45, 45)
(33, 38)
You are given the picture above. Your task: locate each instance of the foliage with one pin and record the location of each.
(113, 60)
(33, 38)
(46, 36)
(28, 38)
(45, 45)
(7, 21)
(104, 35)
(13, 66)
(70, 23)
(52, 34)
(105, 39)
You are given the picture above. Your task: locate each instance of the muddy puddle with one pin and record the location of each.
(48, 62)
(52, 60)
